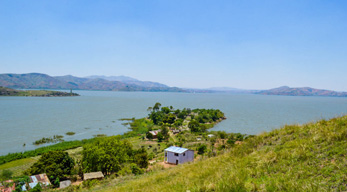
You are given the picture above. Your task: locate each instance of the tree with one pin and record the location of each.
(165, 132)
(56, 164)
(222, 134)
(166, 110)
(156, 106)
(202, 149)
(160, 137)
(194, 126)
(170, 119)
(178, 122)
(149, 135)
(109, 155)
(156, 117)
(141, 158)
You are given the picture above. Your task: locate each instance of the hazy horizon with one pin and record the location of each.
(190, 44)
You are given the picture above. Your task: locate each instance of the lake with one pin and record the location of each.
(27, 119)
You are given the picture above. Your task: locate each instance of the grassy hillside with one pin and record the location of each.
(311, 157)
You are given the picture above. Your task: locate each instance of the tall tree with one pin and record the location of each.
(156, 106)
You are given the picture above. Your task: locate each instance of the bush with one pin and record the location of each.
(202, 149)
(90, 183)
(6, 174)
(136, 170)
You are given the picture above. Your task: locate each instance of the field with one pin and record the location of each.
(18, 166)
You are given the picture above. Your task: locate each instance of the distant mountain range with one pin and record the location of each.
(43, 81)
(128, 80)
(302, 91)
(123, 83)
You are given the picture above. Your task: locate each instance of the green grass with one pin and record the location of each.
(18, 166)
(311, 157)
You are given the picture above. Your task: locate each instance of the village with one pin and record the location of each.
(165, 139)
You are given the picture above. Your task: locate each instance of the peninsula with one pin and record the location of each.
(4, 91)
(302, 91)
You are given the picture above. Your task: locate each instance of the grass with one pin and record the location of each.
(311, 157)
(18, 166)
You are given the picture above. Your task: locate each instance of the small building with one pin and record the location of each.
(175, 131)
(9, 186)
(154, 133)
(178, 155)
(93, 175)
(36, 179)
(210, 135)
(64, 184)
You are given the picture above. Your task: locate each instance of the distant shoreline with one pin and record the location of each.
(4, 91)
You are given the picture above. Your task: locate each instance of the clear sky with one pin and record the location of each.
(185, 43)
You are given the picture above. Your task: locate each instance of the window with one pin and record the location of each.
(184, 154)
(176, 154)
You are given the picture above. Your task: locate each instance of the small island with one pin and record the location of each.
(4, 91)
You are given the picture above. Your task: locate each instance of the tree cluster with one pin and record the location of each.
(56, 164)
(110, 155)
(167, 115)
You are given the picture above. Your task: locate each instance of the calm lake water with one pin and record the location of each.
(26, 119)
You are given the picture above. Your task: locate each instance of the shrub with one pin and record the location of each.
(202, 149)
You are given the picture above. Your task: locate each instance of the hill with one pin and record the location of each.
(310, 157)
(43, 81)
(129, 80)
(302, 91)
(4, 91)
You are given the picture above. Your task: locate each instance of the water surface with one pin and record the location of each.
(26, 119)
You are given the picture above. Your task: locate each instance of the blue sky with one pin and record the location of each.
(186, 43)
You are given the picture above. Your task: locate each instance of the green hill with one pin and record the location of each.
(311, 157)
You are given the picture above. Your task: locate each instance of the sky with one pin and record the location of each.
(184, 43)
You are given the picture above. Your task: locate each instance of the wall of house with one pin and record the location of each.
(171, 158)
(189, 156)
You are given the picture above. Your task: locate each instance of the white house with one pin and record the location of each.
(178, 155)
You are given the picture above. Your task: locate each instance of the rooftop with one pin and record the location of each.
(94, 175)
(174, 149)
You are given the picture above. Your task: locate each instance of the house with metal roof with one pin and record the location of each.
(36, 179)
(93, 175)
(155, 133)
(178, 155)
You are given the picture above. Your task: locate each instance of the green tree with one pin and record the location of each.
(222, 134)
(141, 158)
(166, 110)
(202, 149)
(156, 107)
(56, 164)
(107, 155)
(160, 137)
(149, 135)
(178, 122)
(170, 119)
(194, 126)
(165, 132)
